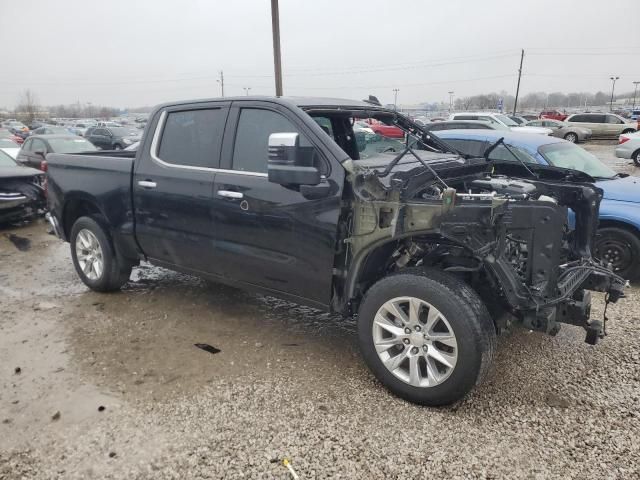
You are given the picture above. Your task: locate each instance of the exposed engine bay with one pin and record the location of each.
(508, 236)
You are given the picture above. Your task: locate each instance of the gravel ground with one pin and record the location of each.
(112, 386)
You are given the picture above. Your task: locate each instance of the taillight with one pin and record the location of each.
(44, 167)
(622, 139)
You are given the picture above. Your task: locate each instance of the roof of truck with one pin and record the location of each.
(302, 102)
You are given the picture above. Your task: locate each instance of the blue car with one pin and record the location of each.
(618, 239)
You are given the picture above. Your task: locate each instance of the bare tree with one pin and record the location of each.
(28, 105)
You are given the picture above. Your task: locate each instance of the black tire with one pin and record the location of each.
(571, 137)
(117, 147)
(620, 247)
(635, 156)
(629, 130)
(465, 312)
(115, 272)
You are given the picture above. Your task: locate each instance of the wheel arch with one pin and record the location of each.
(75, 206)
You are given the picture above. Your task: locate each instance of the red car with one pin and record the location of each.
(385, 130)
(553, 115)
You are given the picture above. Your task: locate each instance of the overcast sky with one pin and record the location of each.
(142, 52)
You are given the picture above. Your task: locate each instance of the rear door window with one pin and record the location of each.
(193, 137)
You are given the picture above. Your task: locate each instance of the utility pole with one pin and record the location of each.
(450, 102)
(613, 87)
(221, 82)
(277, 60)
(515, 103)
(395, 98)
(635, 91)
(246, 90)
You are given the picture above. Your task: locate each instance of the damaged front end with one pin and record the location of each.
(507, 236)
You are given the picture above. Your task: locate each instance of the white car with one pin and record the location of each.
(629, 147)
(9, 147)
(500, 119)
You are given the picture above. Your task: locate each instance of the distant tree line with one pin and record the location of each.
(538, 100)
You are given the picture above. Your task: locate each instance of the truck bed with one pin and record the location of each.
(107, 175)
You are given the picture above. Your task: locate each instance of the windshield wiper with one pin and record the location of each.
(499, 142)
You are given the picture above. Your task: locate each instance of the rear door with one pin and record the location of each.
(173, 184)
(270, 235)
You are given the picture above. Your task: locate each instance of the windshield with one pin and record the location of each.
(6, 160)
(124, 131)
(506, 120)
(70, 145)
(568, 155)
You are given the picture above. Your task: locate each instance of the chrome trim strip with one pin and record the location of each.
(154, 155)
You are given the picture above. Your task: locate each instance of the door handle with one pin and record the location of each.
(230, 194)
(147, 184)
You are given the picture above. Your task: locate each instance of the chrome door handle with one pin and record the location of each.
(147, 184)
(230, 194)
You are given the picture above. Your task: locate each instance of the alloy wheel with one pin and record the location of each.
(415, 342)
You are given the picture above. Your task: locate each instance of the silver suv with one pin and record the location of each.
(602, 125)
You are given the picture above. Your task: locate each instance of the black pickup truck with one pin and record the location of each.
(433, 252)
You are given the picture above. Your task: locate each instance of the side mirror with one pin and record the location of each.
(287, 162)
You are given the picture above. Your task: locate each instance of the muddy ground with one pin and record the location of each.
(112, 386)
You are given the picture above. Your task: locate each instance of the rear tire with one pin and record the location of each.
(635, 156)
(621, 248)
(459, 318)
(94, 257)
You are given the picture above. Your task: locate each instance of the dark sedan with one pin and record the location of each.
(114, 138)
(21, 192)
(35, 148)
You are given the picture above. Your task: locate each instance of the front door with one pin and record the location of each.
(173, 186)
(270, 235)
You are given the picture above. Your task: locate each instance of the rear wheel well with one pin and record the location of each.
(629, 130)
(76, 209)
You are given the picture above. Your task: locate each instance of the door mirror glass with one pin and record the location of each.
(288, 163)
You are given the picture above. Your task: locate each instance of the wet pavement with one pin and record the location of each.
(114, 386)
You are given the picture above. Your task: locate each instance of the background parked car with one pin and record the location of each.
(629, 147)
(6, 133)
(114, 138)
(560, 129)
(50, 130)
(385, 130)
(635, 114)
(36, 148)
(602, 125)
(518, 119)
(9, 147)
(21, 192)
(499, 119)
(618, 239)
(465, 124)
(553, 115)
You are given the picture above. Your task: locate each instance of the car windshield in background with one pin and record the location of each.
(506, 120)
(568, 155)
(71, 145)
(124, 131)
(6, 160)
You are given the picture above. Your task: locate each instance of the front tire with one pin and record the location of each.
(94, 257)
(571, 137)
(426, 336)
(636, 157)
(621, 248)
